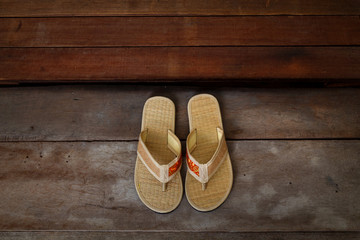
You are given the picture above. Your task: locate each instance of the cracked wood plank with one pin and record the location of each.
(42, 8)
(145, 235)
(73, 113)
(278, 186)
(180, 64)
(179, 31)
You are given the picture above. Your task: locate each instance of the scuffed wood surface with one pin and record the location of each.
(72, 113)
(179, 64)
(43, 8)
(281, 187)
(179, 31)
(106, 235)
(278, 186)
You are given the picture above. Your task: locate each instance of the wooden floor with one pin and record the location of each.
(75, 75)
(68, 154)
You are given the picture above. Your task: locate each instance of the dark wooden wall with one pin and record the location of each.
(180, 41)
(67, 151)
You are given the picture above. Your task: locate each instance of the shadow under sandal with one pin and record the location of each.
(157, 177)
(209, 175)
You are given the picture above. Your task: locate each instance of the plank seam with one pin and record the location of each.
(183, 15)
(187, 46)
(179, 231)
(182, 140)
(180, 16)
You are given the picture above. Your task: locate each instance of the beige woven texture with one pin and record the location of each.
(204, 115)
(158, 117)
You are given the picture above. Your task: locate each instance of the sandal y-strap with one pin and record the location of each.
(157, 178)
(209, 176)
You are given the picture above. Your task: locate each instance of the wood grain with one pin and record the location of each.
(98, 112)
(43, 8)
(179, 31)
(278, 186)
(178, 64)
(145, 235)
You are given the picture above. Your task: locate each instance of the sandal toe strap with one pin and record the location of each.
(203, 172)
(163, 173)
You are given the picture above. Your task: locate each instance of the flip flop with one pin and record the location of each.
(209, 174)
(157, 177)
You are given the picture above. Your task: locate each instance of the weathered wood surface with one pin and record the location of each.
(179, 31)
(145, 235)
(176, 64)
(278, 186)
(43, 8)
(71, 113)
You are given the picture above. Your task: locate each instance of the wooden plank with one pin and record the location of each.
(98, 112)
(144, 235)
(178, 64)
(179, 31)
(278, 186)
(43, 8)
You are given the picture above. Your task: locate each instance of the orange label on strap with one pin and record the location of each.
(175, 167)
(192, 166)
